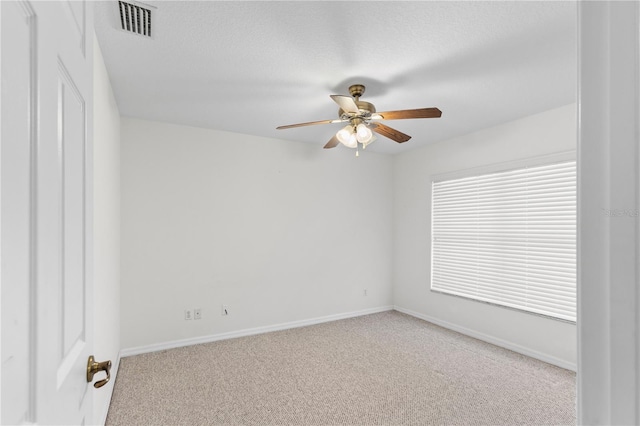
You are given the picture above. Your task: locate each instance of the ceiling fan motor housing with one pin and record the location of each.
(362, 106)
(356, 90)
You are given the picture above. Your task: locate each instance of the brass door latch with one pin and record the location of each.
(94, 367)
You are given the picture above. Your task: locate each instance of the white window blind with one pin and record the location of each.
(508, 238)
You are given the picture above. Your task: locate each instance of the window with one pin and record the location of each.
(508, 237)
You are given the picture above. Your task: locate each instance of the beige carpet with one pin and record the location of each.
(381, 369)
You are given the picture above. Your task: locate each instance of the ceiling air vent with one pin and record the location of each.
(135, 18)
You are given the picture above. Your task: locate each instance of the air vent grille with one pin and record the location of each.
(135, 19)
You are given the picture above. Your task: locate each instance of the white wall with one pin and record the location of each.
(278, 231)
(106, 222)
(549, 132)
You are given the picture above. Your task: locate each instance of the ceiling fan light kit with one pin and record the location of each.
(360, 114)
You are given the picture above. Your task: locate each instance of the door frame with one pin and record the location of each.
(608, 379)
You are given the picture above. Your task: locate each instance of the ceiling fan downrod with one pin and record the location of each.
(356, 90)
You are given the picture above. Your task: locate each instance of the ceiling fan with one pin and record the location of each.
(363, 120)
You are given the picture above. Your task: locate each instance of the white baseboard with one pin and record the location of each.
(247, 332)
(114, 373)
(491, 339)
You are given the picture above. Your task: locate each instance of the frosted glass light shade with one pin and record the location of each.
(353, 141)
(373, 138)
(344, 134)
(363, 133)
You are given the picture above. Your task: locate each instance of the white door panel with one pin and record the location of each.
(58, 236)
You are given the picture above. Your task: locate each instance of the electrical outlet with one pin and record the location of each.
(224, 310)
(188, 314)
(197, 314)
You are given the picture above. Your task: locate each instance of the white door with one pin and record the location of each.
(46, 196)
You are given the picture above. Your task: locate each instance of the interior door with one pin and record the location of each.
(46, 191)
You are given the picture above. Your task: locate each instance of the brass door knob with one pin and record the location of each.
(93, 367)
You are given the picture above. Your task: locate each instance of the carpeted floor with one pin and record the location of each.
(380, 369)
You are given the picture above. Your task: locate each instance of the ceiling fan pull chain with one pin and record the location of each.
(357, 150)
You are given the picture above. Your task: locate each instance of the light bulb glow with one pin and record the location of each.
(352, 142)
(363, 133)
(344, 134)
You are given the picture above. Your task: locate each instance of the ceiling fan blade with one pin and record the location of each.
(310, 123)
(410, 113)
(392, 134)
(346, 103)
(333, 142)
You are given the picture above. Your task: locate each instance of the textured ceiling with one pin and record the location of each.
(248, 67)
